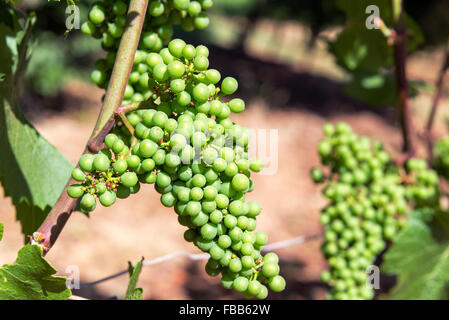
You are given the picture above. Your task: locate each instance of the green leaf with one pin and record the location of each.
(134, 293)
(375, 89)
(31, 278)
(420, 258)
(1, 231)
(32, 171)
(361, 49)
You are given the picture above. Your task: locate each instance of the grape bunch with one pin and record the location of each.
(369, 196)
(181, 139)
(441, 156)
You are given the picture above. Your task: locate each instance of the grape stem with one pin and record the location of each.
(400, 57)
(50, 229)
(438, 92)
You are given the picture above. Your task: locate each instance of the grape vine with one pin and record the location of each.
(176, 134)
(369, 198)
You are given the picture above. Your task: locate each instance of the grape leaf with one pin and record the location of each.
(361, 49)
(420, 258)
(32, 171)
(30, 277)
(134, 293)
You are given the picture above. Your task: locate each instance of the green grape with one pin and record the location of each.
(237, 105)
(277, 283)
(87, 202)
(229, 85)
(156, 8)
(240, 284)
(75, 191)
(129, 179)
(201, 21)
(86, 162)
(78, 175)
(97, 15)
(201, 93)
(108, 198)
(181, 4)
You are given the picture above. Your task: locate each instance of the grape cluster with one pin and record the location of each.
(441, 157)
(184, 143)
(369, 196)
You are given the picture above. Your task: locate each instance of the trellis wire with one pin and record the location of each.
(203, 256)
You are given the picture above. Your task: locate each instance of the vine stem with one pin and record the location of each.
(400, 57)
(50, 229)
(435, 101)
(428, 134)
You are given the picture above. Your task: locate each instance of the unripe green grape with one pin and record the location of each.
(156, 8)
(216, 252)
(256, 165)
(177, 85)
(115, 30)
(88, 28)
(189, 52)
(236, 234)
(87, 202)
(200, 219)
(271, 257)
(240, 182)
(237, 105)
(198, 180)
(200, 93)
(277, 283)
(168, 199)
(160, 72)
(119, 8)
(133, 161)
(97, 15)
(222, 201)
(235, 265)
(129, 179)
(181, 4)
(108, 198)
(98, 77)
(147, 148)
(78, 175)
(229, 85)
(75, 191)
(166, 56)
(210, 193)
(201, 63)
(176, 47)
(213, 76)
(101, 162)
(206, 4)
(154, 59)
(201, 21)
(175, 69)
(240, 284)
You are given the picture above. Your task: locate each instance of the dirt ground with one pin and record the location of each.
(102, 244)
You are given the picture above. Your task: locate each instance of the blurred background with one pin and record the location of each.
(278, 50)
